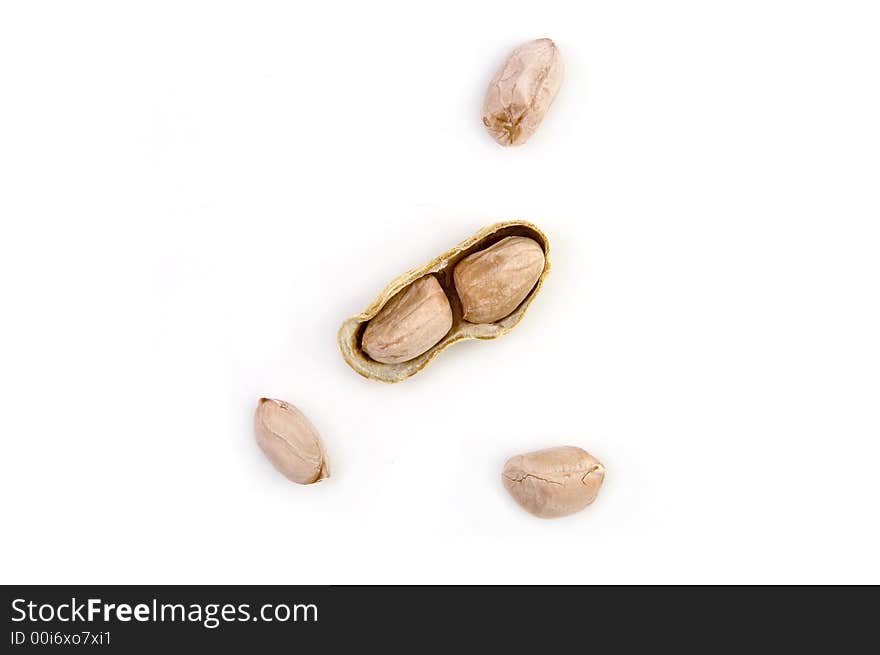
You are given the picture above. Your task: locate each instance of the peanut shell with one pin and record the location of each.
(351, 333)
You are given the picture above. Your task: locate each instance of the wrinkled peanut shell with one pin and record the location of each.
(522, 91)
(290, 441)
(492, 282)
(352, 332)
(553, 482)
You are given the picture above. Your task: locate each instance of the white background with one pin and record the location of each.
(194, 195)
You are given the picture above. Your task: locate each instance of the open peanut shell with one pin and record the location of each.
(351, 332)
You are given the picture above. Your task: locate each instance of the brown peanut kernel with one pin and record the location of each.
(555, 481)
(290, 441)
(522, 91)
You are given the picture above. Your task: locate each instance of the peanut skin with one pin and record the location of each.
(493, 282)
(413, 321)
(290, 441)
(555, 481)
(522, 91)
